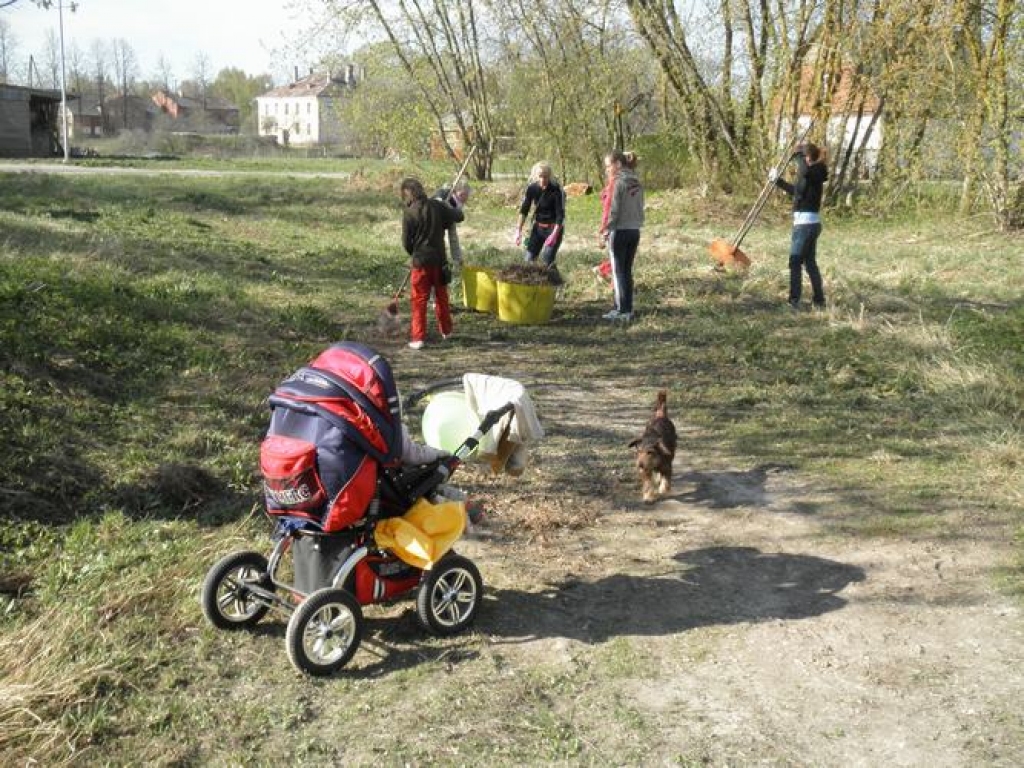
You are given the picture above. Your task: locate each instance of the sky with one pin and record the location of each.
(231, 33)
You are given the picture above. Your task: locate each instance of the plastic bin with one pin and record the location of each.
(525, 304)
(479, 289)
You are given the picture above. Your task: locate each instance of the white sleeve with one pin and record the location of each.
(416, 453)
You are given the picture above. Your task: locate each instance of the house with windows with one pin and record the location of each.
(306, 111)
(85, 117)
(204, 114)
(854, 112)
(130, 113)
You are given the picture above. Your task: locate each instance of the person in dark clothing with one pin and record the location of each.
(806, 190)
(544, 194)
(423, 236)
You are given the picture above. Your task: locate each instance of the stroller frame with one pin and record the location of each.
(325, 623)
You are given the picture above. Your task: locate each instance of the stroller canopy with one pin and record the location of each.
(332, 424)
(353, 387)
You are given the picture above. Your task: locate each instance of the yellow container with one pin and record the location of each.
(479, 289)
(525, 304)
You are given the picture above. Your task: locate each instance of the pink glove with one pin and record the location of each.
(517, 238)
(552, 238)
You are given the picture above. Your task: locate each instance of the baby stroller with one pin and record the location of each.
(332, 476)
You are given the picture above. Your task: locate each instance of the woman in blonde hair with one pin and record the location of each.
(544, 194)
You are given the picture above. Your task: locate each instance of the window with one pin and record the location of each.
(286, 107)
(309, 107)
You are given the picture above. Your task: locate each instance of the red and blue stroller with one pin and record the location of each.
(332, 473)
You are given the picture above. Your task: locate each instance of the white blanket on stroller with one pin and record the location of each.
(485, 393)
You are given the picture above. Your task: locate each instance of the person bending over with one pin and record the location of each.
(545, 196)
(423, 234)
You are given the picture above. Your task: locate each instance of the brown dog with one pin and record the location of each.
(655, 450)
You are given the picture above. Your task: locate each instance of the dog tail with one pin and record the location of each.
(661, 407)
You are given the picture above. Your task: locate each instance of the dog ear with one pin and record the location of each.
(635, 443)
(662, 448)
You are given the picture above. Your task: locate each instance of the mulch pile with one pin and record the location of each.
(530, 274)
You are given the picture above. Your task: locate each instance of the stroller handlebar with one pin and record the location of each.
(491, 417)
(447, 467)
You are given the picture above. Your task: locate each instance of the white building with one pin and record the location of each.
(305, 112)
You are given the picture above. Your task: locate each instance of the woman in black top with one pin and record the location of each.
(806, 190)
(544, 194)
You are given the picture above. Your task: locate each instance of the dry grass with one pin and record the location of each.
(51, 680)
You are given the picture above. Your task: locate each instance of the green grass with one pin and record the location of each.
(143, 321)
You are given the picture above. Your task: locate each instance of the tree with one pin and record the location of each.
(8, 51)
(125, 71)
(440, 47)
(51, 58)
(384, 111)
(240, 89)
(99, 64)
(985, 36)
(576, 119)
(201, 70)
(164, 75)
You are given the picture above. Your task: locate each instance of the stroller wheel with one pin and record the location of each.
(228, 599)
(324, 631)
(449, 596)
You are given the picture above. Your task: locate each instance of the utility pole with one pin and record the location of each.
(63, 84)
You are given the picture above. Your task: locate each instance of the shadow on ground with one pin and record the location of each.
(713, 586)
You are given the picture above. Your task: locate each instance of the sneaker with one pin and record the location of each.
(626, 317)
(415, 345)
(446, 336)
(613, 315)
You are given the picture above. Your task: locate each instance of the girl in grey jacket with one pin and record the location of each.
(625, 220)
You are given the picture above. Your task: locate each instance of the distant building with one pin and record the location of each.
(129, 113)
(305, 112)
(29, 122)
(85, 117)
(209, 114)
(855, 114)
(453, 137)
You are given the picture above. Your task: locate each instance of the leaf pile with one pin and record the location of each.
(530, 274)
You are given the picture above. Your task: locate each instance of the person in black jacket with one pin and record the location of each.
(544, 194)
(423, 236)
(806, 190)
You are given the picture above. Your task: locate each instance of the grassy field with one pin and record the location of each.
(144, 320)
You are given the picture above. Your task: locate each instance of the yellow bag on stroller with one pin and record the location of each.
(422, 535)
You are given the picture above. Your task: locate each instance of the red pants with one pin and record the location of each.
(422, 281)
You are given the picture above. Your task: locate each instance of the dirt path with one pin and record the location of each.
(770, 639)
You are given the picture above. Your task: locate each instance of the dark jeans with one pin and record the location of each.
(535, 244)
(803, 252)
(624, 245)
